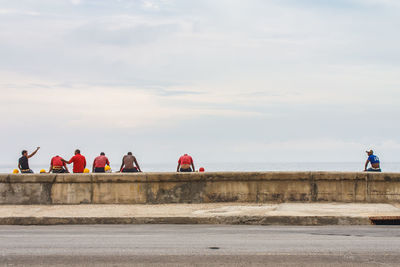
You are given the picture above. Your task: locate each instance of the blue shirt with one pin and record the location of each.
(373, 159)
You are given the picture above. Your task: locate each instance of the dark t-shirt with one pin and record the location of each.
(23, 162)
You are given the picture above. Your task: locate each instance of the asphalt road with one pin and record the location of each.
(200, 245)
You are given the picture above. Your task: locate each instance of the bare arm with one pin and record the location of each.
(122, 165)
(51, 168)
(93, 165)
(19, 166)
(366, 165)
(33, 153)
(66, 168)
(177, 168)
(137, 165)
(193, 166)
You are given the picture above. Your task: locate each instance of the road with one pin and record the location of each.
(200, 245)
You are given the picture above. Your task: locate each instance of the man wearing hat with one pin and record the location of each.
(375, 163)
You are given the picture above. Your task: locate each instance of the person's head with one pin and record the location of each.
(130, 153)
(77, 152)
(24, 153)
(370, 152)
(102, 154)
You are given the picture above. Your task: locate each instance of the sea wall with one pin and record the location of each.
(156, 188)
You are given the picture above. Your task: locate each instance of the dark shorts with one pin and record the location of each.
(130, 170)
(59, 170)
(27, 171)
(185, 170)
(374, 170)
(99, 170)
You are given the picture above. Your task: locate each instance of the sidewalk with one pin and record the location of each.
(214, 213)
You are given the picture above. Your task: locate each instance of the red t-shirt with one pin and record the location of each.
(185, 159)
(100, 162)
(79, 163)
(56, 161)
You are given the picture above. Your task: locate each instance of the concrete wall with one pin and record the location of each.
(155, 188)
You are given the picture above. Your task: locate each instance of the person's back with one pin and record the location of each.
(100, 163)
(128, 161)
(23, 163)
(57, 165)
(128, 164)
(375, 162)
(185, 163)
(79, 163)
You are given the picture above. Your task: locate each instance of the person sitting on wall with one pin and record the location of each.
(57, 165)
(100, 163)
(129, 164)
(375, 163)
(79, 162)
(23, 164)
(184, 164)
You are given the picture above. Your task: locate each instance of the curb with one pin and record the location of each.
(232, 220)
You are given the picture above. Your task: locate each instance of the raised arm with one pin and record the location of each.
(33, 153)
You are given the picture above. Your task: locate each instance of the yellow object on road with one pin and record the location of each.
(15, 171)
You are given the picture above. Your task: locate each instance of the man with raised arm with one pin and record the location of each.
(23, 164)
(185, 163)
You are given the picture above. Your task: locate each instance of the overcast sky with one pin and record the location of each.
(223, 80)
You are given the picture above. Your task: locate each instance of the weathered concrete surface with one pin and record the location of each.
(213, 213)
(158, 188)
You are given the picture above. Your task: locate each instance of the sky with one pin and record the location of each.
(222, 80)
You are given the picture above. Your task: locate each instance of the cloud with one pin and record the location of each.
(382, 3)
(5, 11)
(76, 2)
(150, 5)
(228, 78)
(124, 30)
(81, 105)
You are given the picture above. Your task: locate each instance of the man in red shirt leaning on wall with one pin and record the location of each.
(79, 162)
(184, 164)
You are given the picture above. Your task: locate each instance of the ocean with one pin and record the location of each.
(244, 166)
